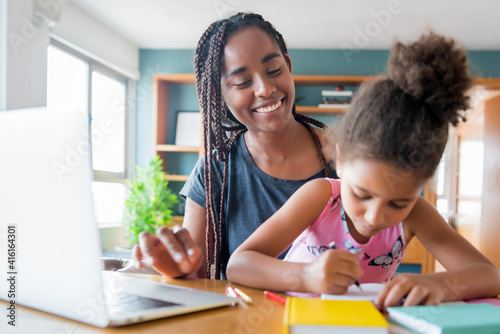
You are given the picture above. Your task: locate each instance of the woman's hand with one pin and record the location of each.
(410, 290)
(172, 252)
(333, 272)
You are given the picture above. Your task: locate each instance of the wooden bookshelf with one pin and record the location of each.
(318, 110)
(175, 148)
(324, 80)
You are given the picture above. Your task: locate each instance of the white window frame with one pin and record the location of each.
(130, 118)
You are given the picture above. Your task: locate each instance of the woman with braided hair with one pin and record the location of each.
(258, 150)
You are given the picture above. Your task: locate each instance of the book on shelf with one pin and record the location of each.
(314, 315)
(448, 318)
(335, 100)
(334, 105)
(337, 93)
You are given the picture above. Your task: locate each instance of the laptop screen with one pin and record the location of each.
(45, 195)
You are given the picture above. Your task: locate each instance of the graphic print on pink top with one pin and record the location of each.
(379, 257)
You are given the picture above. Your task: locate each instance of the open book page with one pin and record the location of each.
(370, 292)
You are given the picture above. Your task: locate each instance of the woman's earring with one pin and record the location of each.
(339, 173)
(224, 110)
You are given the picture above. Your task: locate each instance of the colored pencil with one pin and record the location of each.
(275, 296)
(243, 295)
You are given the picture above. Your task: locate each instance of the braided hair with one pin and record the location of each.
(208, 65)
(403, 118)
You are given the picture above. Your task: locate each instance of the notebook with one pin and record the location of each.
(477, 318)
(370, 292)
(314, 315)
(47, 216)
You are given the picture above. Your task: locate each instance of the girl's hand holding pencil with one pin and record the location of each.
(332, 246)
(332, 272)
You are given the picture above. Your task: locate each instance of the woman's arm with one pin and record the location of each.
(254, 263)
(195, 220)
(175, 252)
(469, 273)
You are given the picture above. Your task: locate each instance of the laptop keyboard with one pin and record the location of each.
(125, 302)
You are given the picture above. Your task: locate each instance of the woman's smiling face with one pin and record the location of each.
(256, 82)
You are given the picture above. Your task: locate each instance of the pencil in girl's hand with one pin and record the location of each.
(333, 246)
(276, 297)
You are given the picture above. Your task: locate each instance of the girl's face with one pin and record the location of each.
(376, 195)
(256, 82)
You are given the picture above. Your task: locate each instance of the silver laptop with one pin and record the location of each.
(47, 223)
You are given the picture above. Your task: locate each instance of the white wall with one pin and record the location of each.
(23, 51)
(3, 54)
(97, 40)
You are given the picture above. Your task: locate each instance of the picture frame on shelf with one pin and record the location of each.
(188, 129)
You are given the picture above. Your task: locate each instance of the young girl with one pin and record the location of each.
(390, 142)
(243, 77)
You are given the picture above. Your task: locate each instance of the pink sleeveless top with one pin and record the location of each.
(379, 257)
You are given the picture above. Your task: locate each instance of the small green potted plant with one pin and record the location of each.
(150, 203)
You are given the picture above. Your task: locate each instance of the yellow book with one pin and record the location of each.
(313, 315)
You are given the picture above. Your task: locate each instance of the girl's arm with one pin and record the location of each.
(469, 273)
(254, 263)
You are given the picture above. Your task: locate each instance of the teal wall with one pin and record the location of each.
(304, 61)
(153, 62)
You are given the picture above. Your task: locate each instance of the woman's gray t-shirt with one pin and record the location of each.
(252, 195)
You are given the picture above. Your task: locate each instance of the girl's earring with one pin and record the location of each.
(339, 173)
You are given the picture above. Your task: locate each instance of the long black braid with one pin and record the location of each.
(208, 64)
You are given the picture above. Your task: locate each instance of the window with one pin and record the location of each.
(76, 81)
(458, 179)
